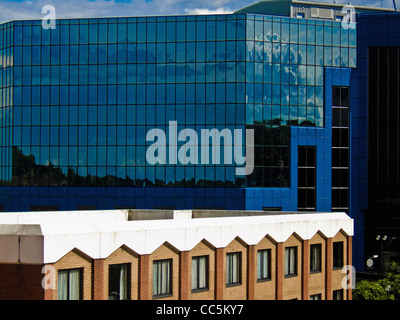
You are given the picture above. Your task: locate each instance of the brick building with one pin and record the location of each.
(147, 254)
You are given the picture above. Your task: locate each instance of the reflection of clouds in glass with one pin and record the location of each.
(258, 51)
(276, 73)
(259, 30)
(268, 31)
(276, 52)
(310, 96)
(311, 75)
(267, 52)
(293, 74)
(285, 53)
(258, 72)
(311, 115)
(302, 54)
(250, 51)
(293, 95)
(285, 94)
(302, 74)
(319, 96)
(293, 53)
(319, 117)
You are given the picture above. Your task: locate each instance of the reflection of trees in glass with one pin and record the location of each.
(278, 122)
(307, 123)
(26, 172)
(271, 169)
(271, 156)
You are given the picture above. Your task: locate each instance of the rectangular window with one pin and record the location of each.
(306, 187)
(233, 268)
(69, 285)
(315, 258)
(340, 148)
(264, 264)
(162, 274)
(338, 255)
(338, 294)
(272, 154)
(291, 261)
(199, 273)
(315, 297)
(118, 282)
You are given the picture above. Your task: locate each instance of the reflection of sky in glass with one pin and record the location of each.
(298, 50)
(94, 89)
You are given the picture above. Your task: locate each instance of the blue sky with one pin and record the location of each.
(31, 9)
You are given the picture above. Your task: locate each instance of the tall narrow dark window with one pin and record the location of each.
(306, 178)
(340, 149)
(315, 257)
(118, 282)
(338, 255)
(338, 294)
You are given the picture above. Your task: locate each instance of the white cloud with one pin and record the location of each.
(31, 9)
(208, 11)
(10, 10)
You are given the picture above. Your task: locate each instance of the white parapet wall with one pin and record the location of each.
(45, 237)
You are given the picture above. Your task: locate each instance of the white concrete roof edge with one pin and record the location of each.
(99, 239)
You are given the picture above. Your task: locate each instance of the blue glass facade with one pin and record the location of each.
(78, 101)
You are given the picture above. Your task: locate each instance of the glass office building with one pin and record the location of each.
(78, 102)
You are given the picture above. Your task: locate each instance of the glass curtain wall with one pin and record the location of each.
(6, 93)
(86, 94)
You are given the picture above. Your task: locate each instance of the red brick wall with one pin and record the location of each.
(98, 280)
(219, 274)
(144, 277)
(184, 275)
(21, 282)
